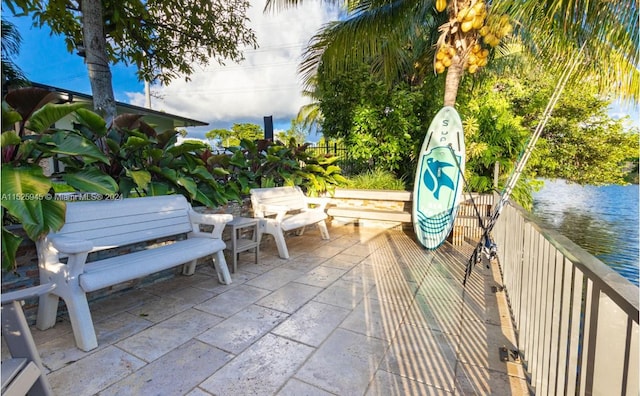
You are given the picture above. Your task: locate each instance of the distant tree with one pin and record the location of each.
(165, 39)
(296, 132)
(232, 137)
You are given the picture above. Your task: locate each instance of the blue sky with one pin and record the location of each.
(266, 83)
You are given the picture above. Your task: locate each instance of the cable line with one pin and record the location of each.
(486, 243)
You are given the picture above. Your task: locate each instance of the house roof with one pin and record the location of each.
(152, 117)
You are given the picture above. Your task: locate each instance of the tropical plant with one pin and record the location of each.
(145, 162)
(28, 195)
(165, 39)
(268, 164)
(376, 180)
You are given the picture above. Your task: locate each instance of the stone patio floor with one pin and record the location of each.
(368, 312)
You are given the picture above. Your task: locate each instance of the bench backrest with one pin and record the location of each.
(115, 223)
(290, 196)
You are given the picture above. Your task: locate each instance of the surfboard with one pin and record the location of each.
(439, 180)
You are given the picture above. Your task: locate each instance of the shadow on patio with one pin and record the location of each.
(367, 312)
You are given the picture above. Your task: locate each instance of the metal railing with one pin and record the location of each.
(576, 318)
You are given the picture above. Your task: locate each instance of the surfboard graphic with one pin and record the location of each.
(438, 184)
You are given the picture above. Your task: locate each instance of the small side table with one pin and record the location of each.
(244, 236)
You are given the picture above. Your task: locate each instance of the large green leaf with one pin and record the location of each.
(91, 180)
(93, 121)
(204, 199)
(136, 142)
(72, 144)
(188, 184)
(187, 147)
(49, 114)
(10, 244)
(159, 188)
(9, 138)
(9, 117)
(53, 215)
(23, 188)
(203, 173)
(140, 177)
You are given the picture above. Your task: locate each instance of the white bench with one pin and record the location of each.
(283, 209)
(92, 226)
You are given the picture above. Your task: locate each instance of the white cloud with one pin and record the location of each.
(265, 83)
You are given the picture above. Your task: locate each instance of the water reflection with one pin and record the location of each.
(602, 220)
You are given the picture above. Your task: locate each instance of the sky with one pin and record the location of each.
(266, 83)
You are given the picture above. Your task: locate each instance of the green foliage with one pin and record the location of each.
(27, 193)
(165, 39)
(268, 164)
(376, 180)
(232, 137)
(379, 125)
(144, 162)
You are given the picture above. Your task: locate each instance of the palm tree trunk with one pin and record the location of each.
(96, 59)
(452, 81)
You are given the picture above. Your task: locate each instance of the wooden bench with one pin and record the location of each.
(93, 226)
(282, 209)
(392, 206)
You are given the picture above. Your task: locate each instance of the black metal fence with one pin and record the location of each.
(348, 165)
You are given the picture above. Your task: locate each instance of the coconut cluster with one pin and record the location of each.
(472, 30)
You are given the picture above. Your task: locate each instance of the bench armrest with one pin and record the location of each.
(68, 245)
(319, 201)
(53, 246)
(279, 210)
(218, 221)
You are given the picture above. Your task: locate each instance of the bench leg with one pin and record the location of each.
(190, 268)
(323, 229)
(47, 311)
(220, 264)
(81, 321)
(283, 252)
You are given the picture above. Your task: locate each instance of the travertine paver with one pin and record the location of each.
(99, 370)
(312, 323)
(240, 330)
(290, 297)
(157, 340)
(261, 370)
(368, 312)
(175, 373)
(234, 300)
(345, 363)
(343, 294)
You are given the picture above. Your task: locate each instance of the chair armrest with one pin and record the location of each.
(320, 201)
(68, 245)
(218, 221)
(23, 294)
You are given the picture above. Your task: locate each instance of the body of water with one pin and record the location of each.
(602, 220)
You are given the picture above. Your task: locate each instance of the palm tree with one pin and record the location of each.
(408, 38)
(12, 76)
